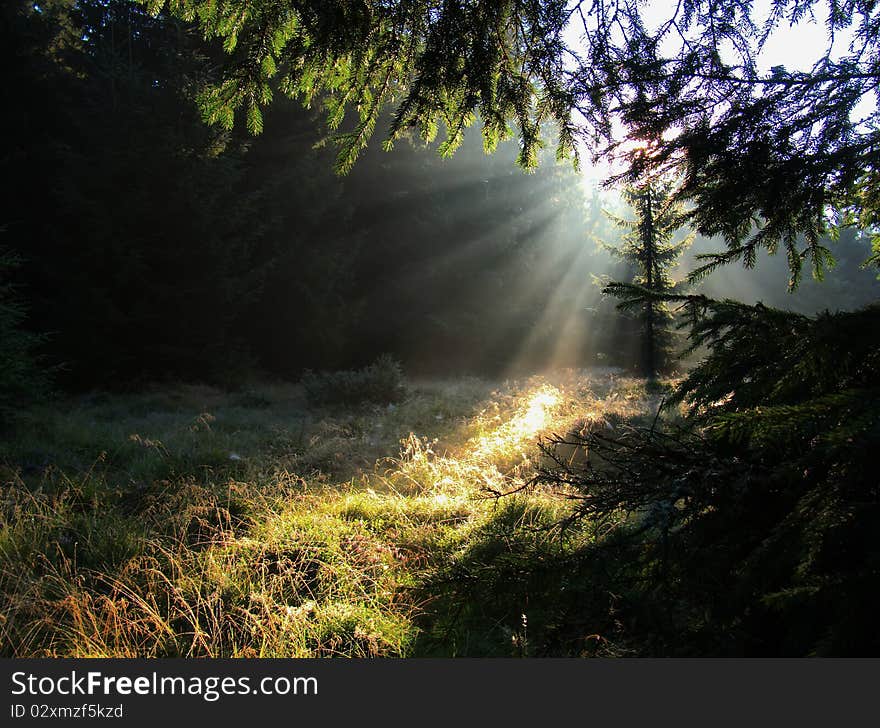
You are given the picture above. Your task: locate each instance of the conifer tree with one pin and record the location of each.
(650, 247)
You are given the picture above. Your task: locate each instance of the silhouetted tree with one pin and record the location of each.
(650, 248)
(751, 521)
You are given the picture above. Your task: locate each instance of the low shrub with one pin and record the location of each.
(379, 383)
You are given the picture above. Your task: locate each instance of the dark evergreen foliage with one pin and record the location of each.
(157, 247)
(753, 517)
(23, 378)
(651, 249)
(782, 147)
(120, 203)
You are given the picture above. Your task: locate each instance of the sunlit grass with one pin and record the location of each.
(532, 415)
(160, 544)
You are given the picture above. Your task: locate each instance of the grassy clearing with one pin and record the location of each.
(191, 522)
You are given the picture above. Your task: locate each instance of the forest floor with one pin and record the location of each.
(186, 521)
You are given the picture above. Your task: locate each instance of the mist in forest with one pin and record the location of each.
(150, 246)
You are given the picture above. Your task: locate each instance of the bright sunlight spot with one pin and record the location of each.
(513, 436)
(496, 458)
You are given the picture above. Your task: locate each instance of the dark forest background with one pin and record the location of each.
(145, 245)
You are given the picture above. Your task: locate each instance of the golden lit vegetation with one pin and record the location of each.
(192, 523)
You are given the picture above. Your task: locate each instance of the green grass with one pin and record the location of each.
(190, 522)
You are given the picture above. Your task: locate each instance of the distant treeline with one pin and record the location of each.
(153, 246)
